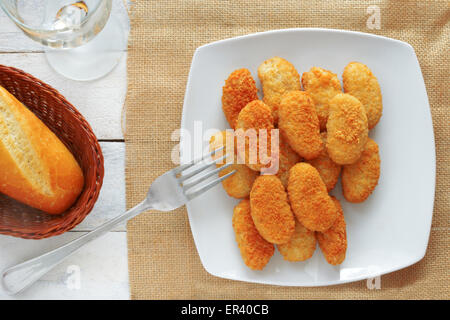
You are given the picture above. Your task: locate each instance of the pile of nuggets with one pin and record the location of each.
(323, 133)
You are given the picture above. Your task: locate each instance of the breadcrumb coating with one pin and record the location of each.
(301, 246)
(328, 170)
(299, 125)
(239, 89)
(333, 242)
(270, 210)
(255, 115)
(240, 183)
(323, 126)
(287, 159)
(255, 251)
(361, 83)
(277, 77)
(360, 179)
(322, 85)
(309, 198)
(347, 129)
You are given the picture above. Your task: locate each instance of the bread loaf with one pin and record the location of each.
(36, 168)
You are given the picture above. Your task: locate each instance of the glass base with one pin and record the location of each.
(94, 59)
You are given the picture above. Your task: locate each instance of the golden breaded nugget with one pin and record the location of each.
(309, 198)
(322, 85)
(360, 179)
(333, 242)
(361, 83)
(239, 89)
(255, 251)
(255, 115)
(347, 129)
(288, 158)
(277, 77)
(301, 246)
(240, 183)
(328, 170)
(299, 125)
(270, 210)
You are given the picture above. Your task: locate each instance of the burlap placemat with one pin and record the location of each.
(163, 261)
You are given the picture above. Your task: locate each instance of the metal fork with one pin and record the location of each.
(169, 191)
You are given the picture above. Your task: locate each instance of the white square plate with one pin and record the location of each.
(387, 232)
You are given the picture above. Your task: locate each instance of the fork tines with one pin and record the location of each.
(191, 181)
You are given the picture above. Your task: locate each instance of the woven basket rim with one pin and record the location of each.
(95, 163)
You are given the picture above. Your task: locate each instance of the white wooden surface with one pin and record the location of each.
(99, 101)
(98, 271)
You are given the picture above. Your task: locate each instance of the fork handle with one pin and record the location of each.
(21, 276)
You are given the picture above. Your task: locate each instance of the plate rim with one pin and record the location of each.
(310, 29)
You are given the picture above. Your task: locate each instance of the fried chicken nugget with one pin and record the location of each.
(255, 115)
(299, 125)
(255, 251)
(270, 210)
(287, 159)
(309, 198)
(361, 83)
(333, 242)
(240, 183)
(322, 85)
(301, 246)
(277, 77)
(239, 89)
(347, 129)
(360, 179)
(328, 170)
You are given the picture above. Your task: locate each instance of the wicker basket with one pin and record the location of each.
(19, 220)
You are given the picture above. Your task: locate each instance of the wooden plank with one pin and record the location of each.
(101, 267)
(111, 201)
(12, 39)
(99, 101)
(97, 271)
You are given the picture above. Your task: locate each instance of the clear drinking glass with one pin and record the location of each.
(83, 43)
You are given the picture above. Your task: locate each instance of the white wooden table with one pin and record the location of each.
(100, 270)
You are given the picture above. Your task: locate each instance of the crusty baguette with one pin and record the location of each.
(36, 168)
